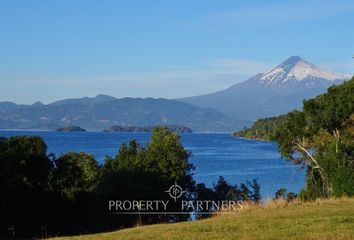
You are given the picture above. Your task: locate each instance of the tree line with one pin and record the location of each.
(43, 195)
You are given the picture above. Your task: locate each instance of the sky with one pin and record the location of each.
(50, 50)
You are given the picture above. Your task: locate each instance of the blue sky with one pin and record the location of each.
(51, 50)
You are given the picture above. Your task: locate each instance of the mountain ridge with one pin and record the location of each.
(104, 111)
(271, 93)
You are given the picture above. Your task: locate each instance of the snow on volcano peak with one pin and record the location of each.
(297, 69)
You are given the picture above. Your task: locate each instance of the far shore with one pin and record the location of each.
(90, 130)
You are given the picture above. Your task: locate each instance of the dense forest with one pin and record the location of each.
(262, 129)
(320, 138)
(42, 195)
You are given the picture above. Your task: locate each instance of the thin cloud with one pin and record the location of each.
(211, 75)
(261, 16)
(241, 66)
(343, 66)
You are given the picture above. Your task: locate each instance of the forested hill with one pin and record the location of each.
(329, 110)
(103, 111)
(262, 129)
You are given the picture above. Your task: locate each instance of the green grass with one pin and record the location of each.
(322, 219)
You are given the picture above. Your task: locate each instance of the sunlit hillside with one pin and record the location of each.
(322, 219)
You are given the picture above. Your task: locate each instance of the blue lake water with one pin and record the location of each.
(214, 155)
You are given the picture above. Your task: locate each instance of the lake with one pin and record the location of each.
(214, 155)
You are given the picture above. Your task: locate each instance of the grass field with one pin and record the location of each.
(323, 219)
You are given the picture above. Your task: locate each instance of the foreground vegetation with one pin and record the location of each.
(321, 219)
(42, 195)
(320, 138)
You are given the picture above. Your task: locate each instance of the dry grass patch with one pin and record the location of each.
(321, 219)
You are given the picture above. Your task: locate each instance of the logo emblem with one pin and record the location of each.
(175, 191)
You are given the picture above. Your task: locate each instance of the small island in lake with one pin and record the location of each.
(71, 129)
(173, 128)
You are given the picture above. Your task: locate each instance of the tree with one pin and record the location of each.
(280, 193)
(25, 172)
(320, 138)
(76, 172)
(165, 154)
(129, 156)
(146, 173)
(75, 179)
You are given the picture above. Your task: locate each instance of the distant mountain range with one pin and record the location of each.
(275, 92)
(267, 94)
(104, 111)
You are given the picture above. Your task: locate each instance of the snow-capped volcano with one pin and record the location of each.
(297, 69)
(274, 92)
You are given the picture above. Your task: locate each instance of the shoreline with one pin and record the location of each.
(50, 130)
